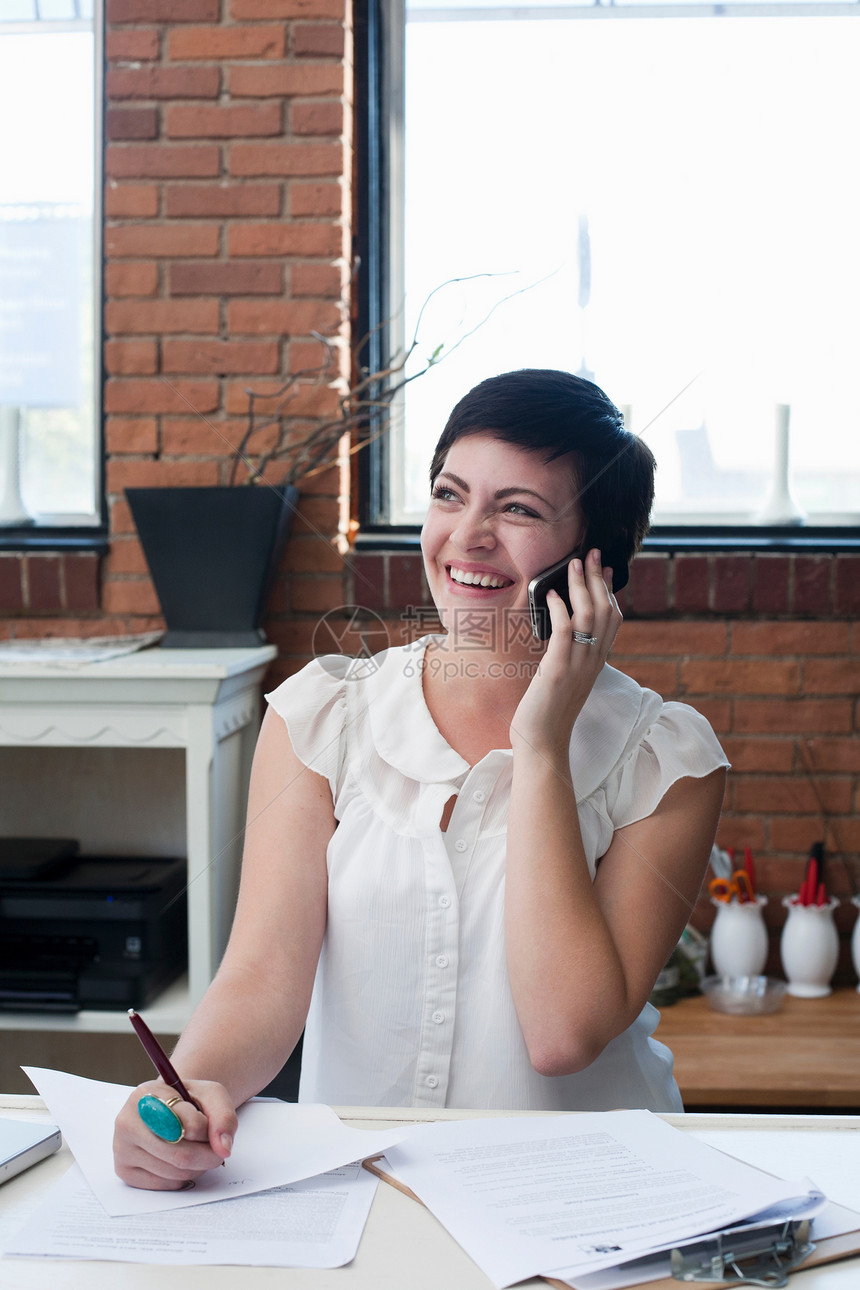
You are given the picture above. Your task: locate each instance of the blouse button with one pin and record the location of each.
(438, 1017)
(441, 960)
(444, 901)
(461, 845)
(431, 1081)
(478, 796)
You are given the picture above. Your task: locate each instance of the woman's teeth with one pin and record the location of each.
(477, 579)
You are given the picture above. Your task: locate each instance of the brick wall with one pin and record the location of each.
(227, 242)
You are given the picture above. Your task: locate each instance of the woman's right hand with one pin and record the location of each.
(143, 1160)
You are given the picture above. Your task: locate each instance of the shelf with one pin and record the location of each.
(166, 1016)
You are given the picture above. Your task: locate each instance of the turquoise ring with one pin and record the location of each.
(161, 1119)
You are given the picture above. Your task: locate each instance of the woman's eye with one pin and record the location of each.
(517, 508)
(442, 494)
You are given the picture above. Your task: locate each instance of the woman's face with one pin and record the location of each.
(498, 516)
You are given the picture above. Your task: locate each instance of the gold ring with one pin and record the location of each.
(172, 1101)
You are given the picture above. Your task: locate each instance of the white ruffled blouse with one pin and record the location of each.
(411, 1003)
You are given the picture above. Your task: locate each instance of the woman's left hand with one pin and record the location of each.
(557, 693)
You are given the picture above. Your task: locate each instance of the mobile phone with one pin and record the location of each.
(555, 579)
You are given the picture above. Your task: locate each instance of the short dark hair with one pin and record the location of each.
(556, 413)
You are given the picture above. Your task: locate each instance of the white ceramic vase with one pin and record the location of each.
(809, 948)
(855, 939)
(739, 941)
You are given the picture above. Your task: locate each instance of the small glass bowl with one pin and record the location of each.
(743, 995)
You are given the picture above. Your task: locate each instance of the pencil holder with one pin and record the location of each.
(855, 939)
(739, 942)
(809, 948)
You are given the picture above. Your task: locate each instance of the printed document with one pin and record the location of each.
(579, 1193)
(312, 1224)
(277, 1143)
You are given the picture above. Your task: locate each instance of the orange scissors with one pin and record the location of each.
(738, 887)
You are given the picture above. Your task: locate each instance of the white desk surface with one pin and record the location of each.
(403, 1247)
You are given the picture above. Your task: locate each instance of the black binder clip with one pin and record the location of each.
(741, 1257)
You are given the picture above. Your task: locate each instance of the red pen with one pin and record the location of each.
(159, 1058)
(749, 866)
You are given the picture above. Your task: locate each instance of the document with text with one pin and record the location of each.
(580, 1193)
(316, 1223)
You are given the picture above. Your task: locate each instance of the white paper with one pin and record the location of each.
(585, 1192)
(276, 1143)
(312, 1224)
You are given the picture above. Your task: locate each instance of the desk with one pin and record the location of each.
(403, 1247)
(807, 1054)
(204, 702)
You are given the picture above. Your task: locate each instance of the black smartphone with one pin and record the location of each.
(555, 579)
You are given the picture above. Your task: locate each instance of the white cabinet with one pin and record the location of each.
(204, 705)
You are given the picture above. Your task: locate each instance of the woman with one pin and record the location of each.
(466, 865)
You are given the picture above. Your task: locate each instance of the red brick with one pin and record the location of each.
(198, 43)
(770, 593)
(811, 593)
(163, 82)
(162, 160)
(42, 581)
(317, 515)
(847, 591)
(405, 581)
(317, 280)
(286, 80)
(317, 118)
(131, 435)
(160, 474)
(736, 676)
(162, 240)
(648, 588)
(368, 580)
(312, 555)
(131, 123)
(762, 754)
(775, 639)
(285, 239)
(130, 357)
(831, 676)
(126, 557)
(681, 639)
(125, 394)
(284, 317)
(127, 201)
(227, 122)
(11, 583)
(786, 794)
(127, 279)
(316, 199)
(316, 594)
(81, 582)
(222, 200)
(198, 435)
(131, 597)
(310, 400)
(242, 10)
(119, 11)
(163, 317)
(317, 39)
(692, 579)
(792, 716)
(662, 677)
(731, 575)
(831, 754)
(226, 279)
(286, 159)
(220, 357)
(741, 831)
(132, 46)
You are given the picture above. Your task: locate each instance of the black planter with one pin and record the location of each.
(212, 553)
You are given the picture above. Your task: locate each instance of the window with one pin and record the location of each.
(50, 285)
(662, 198)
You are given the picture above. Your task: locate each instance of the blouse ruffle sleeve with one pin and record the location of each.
(678, 743)
(313, 705)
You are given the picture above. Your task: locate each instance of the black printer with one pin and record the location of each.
(104, 932)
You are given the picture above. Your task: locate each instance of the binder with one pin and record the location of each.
(728, 1258)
